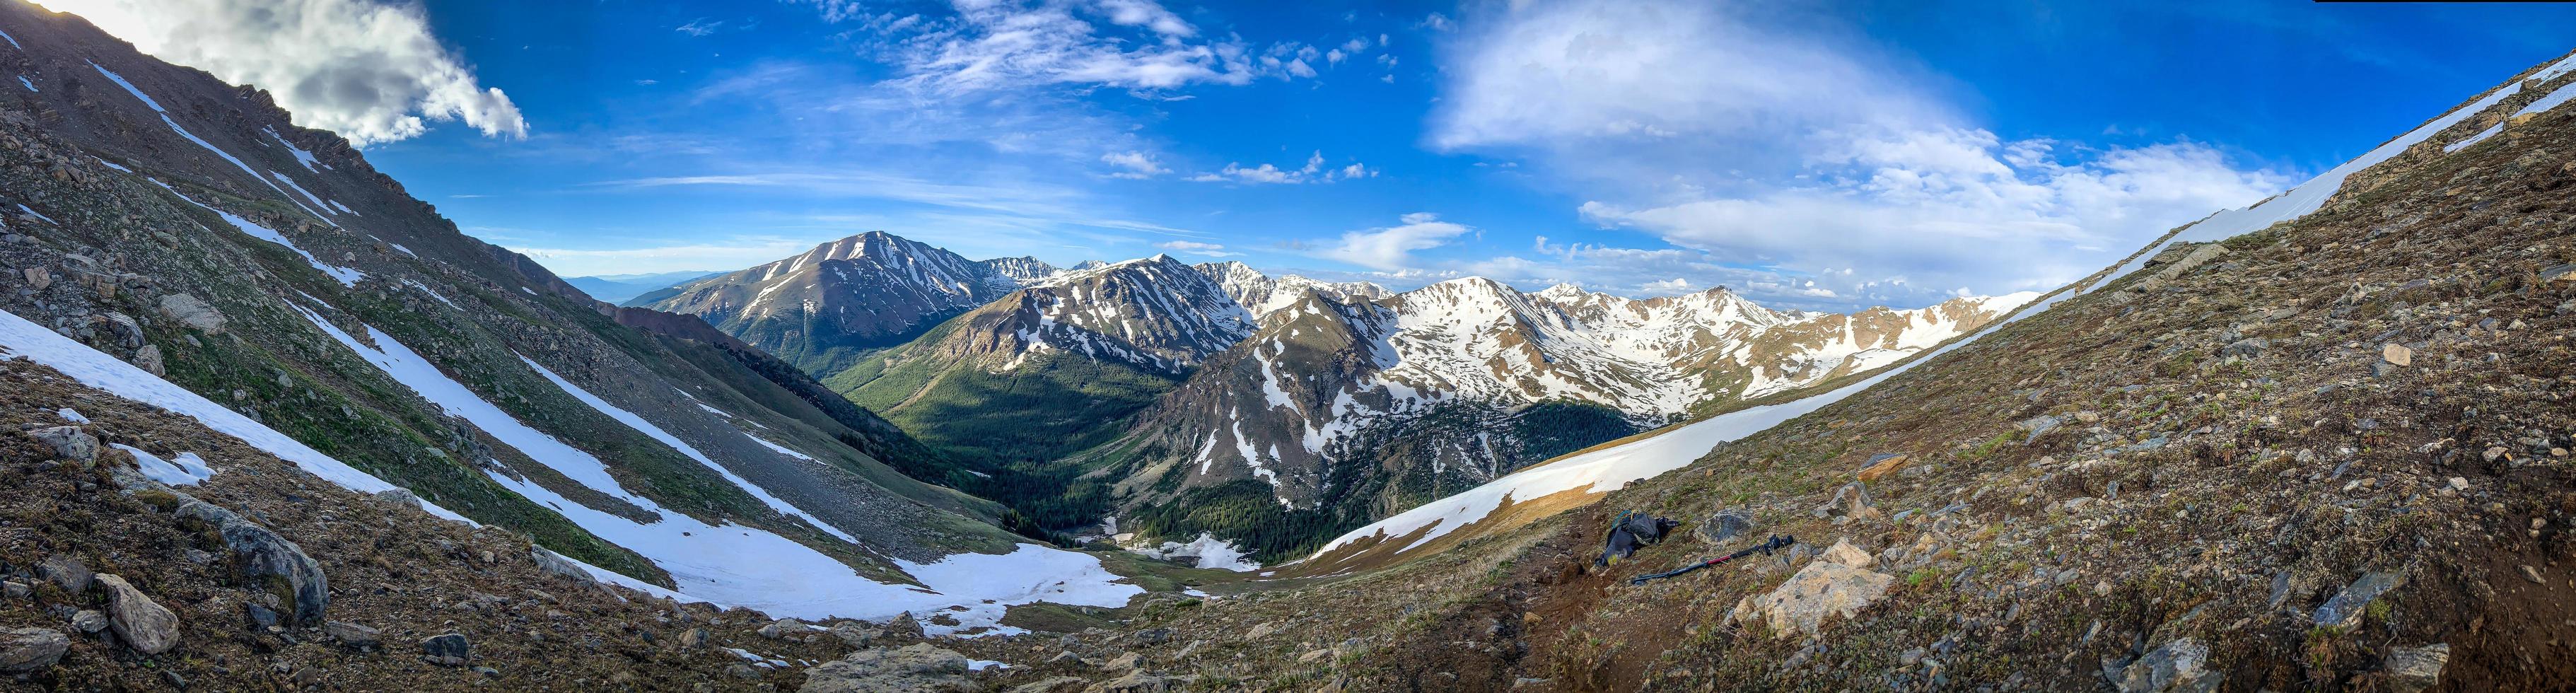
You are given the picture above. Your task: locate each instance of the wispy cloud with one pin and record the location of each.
(1392, 247)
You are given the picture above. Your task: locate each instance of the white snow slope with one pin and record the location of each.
(743, 566)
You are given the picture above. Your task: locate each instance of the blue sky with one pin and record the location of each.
(1820, 156)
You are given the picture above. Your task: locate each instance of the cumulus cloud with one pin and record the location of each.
(1391, 248)
(368, 70)
(1961, 206)
(1314, 171)
(1135, 165)
(1797, 152)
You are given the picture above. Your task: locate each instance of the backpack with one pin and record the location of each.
(1630, 531)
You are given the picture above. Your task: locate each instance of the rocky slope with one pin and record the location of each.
(824, 307)
(172, 243)
(2320, 443)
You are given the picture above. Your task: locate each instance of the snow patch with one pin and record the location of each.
(655, 432)
(21, 338)
(733, 565)
(1211, 552)
(71, 416)
(187, 470)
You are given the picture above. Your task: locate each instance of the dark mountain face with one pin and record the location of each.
(821, 308)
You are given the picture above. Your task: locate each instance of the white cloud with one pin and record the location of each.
(1960, 206)
(1313, 171)
(370, 71)
(1674, 285)
(1791, 149)
(1196, 248)
(986, 45)
(700, 27)
(1137, 165)
(1391, 248)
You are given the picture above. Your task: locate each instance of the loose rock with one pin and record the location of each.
(143, 624)
(30, 649)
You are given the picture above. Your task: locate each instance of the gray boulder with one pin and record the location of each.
(24, 650)
(264, 554)
(1724, 526)
(2413, 669)
(2180, 666)
(69, 442)
(2344, 610)
(352, 635)
(143, 624)
(552, 562)
(447, 650)
(400, 498)
(67, 571)
(916, 668)
(191, 311)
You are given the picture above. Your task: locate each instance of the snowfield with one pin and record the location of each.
(743, 566)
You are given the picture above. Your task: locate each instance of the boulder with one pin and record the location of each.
(65, 571)
(1724, 527)
(854, 634)
(447, 650)
(1845, 553)
(1130, 660)
(2344, 610)
(1133, 682)
(1883, 464)
(1823, 588)
(782, 628)
(69, 442)
(694, 639)
(2413, 669)
(266, 555)
(405, 498)
(352, 635)
(89, 621)
(2397, 354)
(552, 562)
(1851, 500)
(916, 668)
(2177, 667)
(24, 650)
(904, 626)
(2038, 426)
(142, 623)
(193, 312)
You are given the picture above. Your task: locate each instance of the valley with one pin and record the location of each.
(281, 423)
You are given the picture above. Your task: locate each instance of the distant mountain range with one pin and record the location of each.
(1162, 388)
(616, 288)
(822, 307)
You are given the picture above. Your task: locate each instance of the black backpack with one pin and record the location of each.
(1629, 531)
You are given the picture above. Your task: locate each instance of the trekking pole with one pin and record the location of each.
(1776, 543)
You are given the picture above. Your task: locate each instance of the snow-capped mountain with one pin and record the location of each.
(868, 291)
(1056, 362)
(1331, 384)
(1262, 294)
